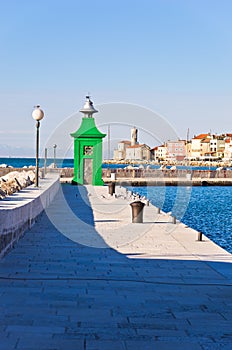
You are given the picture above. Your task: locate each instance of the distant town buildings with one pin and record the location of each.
(201, 147)
(210, 147)
(132, 150)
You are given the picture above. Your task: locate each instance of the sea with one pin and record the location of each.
(69, 163)
(206, 209)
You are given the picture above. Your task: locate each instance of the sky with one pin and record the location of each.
(172, 57)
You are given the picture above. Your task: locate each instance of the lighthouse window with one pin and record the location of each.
(88, 150)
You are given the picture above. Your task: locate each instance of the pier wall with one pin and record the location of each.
(139, 173)
(167, 173)
(20, 212)
(151, 177)
(153, 173)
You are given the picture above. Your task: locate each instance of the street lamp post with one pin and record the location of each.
(38, 115)
(54, 147)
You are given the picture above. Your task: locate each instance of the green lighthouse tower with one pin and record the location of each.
(88, 149)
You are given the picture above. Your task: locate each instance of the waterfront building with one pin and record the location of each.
(132, 150)
(176, 150)
(188, 150)
(138, 152)
(228, 149)
(217, 146)
(120, 152)
(200, 145)
(153, 153)
(159, 153)
(227, 136)
(205, 147)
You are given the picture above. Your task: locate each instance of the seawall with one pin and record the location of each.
(19, 211)
(169, 182)
(149, 177)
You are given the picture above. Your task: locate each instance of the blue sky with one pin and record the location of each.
(171, 56)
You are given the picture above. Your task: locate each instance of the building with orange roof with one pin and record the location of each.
(200, 136)
(138, 152)
(208, 146)
(132, 150)
(200, 145)
(120, 152)
(159, 152)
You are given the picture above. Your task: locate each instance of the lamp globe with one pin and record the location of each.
(38, 113)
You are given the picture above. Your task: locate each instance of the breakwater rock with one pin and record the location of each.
(15, 181)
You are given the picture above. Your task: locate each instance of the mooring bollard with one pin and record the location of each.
(174, 219)
(111, 187)
(199, 236)
(158, 210)
(147, 202)
(137, 212)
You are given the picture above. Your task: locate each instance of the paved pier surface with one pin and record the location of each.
(136, 286)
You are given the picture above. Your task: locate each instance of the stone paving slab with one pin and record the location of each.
(160, 290)
(156, 237)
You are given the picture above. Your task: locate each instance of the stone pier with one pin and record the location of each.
(85, 277)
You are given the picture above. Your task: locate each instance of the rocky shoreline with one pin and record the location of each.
(15, 181)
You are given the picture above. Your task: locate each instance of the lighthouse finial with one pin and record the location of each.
(88, 108)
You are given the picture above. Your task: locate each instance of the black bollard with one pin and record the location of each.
(111, 187)
(199, 236)
(174, 220)
(137, 212)
(158, 210)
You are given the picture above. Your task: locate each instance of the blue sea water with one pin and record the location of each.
(206, 209)
(60, 163)
(69, 163)
(21, 162)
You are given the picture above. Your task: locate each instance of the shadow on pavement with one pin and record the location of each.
(58, 294)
